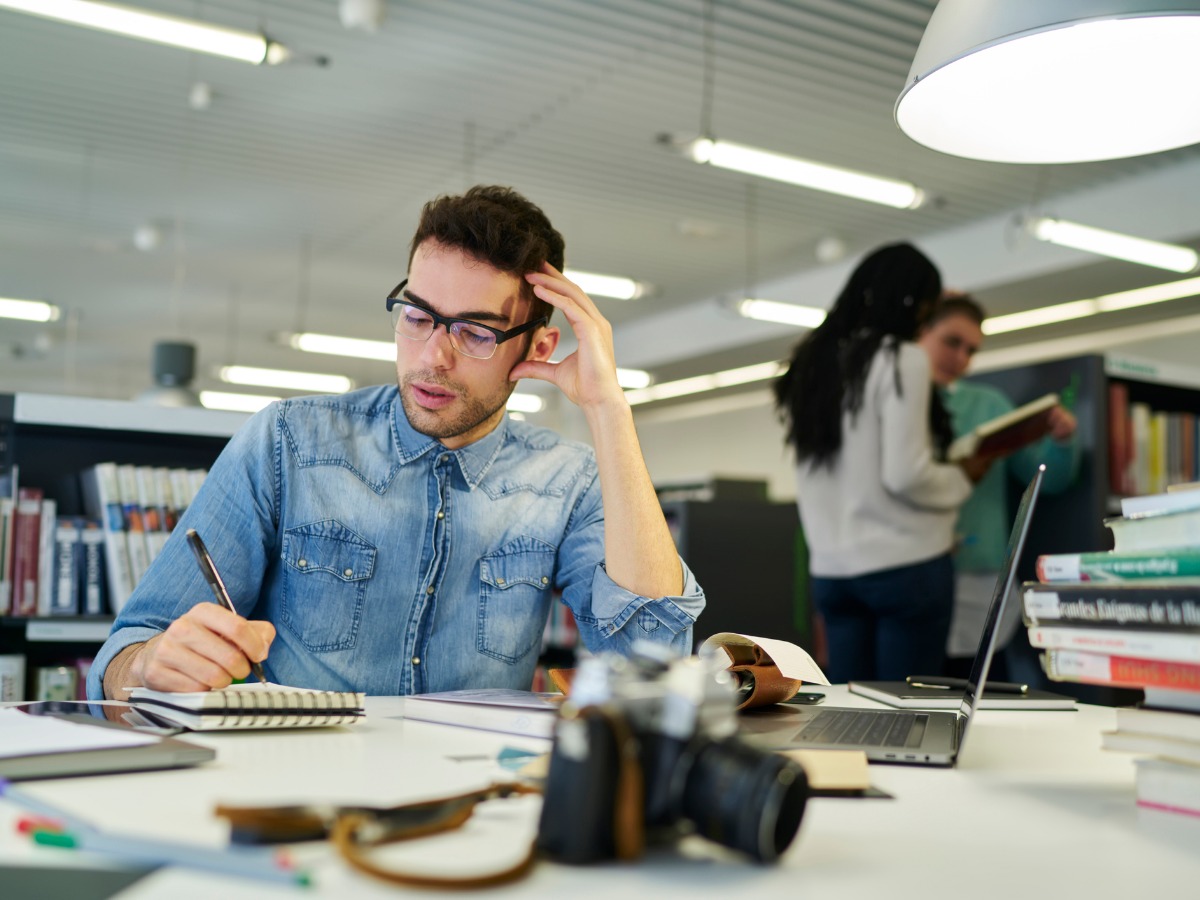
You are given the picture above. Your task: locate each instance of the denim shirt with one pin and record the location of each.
(391, 565)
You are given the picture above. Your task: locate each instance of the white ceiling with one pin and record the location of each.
(289, 202)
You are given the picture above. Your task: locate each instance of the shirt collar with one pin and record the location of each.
(474, 460)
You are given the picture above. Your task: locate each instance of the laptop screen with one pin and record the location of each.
(1004, 583)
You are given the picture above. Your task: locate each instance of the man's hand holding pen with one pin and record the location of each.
(204, 649)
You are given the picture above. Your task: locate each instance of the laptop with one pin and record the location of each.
(927, 738)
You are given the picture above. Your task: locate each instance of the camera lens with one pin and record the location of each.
(746, 799)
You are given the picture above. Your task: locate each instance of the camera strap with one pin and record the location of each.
(356, 831)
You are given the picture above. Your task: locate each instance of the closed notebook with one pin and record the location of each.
(251, 706)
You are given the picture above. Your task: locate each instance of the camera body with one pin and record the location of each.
(645, 749)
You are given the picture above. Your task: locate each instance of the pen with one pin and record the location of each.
(251, 862)
(209, 570)
(943, 682)
(41, 807)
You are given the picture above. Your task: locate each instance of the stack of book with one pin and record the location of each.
(1130, 618)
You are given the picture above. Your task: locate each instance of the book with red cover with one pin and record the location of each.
(27, 533)
(1007, 433)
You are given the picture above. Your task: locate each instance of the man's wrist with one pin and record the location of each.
(124, 671)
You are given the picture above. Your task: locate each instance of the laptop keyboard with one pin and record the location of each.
(869, 729)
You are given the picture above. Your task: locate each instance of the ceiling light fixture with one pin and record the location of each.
(1172, 257)
(784, 313)
(615, 286)
(359, 348)
(1078, 309)
(1027, 81)
(802, 172)
(28, 310)
(288, 380)
(189, 34)
(235, 402)
(700, 383)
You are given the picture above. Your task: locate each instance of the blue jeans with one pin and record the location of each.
(889, 624)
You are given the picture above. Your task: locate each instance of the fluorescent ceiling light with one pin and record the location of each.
(615, 286)
(235, 402)
(805, 173)
(1112, 243)
(342, 346)
(1031, 81)
(158, 28)
(784, 313)
(281, 378)
(29, 310)
(386, 350)
(1078, 309)
(525, 403)
(700, 383)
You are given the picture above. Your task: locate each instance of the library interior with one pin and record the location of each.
(203, 208)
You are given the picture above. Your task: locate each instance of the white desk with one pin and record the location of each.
(1035, 808)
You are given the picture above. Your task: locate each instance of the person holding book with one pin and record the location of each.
(876, 505)
(408, 538)
(951, 336)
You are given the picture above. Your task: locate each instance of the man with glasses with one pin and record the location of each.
(409, 538)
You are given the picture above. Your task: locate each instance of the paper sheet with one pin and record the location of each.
(25, 735)
(792, 661)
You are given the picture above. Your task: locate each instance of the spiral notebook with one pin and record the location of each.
(251, 706)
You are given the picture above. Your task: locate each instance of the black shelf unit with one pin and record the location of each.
(745, 555)
(52, 439)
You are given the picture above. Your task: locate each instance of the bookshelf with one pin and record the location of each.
(52, 439)
(748, 554)
(1073, 521)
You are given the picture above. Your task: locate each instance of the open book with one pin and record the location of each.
(1007, 433)
(251, 706)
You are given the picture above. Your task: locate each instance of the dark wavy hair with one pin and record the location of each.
(497, 226)
(880, 305)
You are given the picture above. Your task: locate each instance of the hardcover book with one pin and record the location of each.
(524, 713)
(1162, 645)
(1179, 564)
(1116, 670)
(1155, 530)
(1157, 607)
(1168, 786)
(1007, 433)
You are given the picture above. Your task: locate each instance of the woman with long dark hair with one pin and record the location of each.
(877, 504)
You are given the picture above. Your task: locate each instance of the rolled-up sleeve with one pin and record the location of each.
(609, 617)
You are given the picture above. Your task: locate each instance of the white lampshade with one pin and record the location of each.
(1055, 81)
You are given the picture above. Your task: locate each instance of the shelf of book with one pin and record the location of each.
(56, 454)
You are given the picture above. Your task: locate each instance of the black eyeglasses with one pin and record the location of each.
(417, 322)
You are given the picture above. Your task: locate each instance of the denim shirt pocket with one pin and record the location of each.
(326, 571)
(514, 598)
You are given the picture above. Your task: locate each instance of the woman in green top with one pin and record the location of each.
(951, 336)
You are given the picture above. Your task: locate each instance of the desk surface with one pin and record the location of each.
(1034, 807)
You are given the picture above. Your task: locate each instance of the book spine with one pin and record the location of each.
(1179, 563)
(67, 568)
(1118, 449)
(135, 523)
(1141, 644)
(1119, 671)
(12, 678)
(95, 585)
(116, 545)
(27, 525)
(1174, 608)
(45, 579)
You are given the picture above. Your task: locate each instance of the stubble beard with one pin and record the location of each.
(472, 411)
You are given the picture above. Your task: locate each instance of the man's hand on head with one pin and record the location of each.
(589, 375)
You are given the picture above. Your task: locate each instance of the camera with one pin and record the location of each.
(645, 750)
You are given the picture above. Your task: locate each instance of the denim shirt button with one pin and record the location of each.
(445, 457)
(349, 573)
(545, 580)
(302, 563)
(429, 590)
(499, 581)
(416, 660)
(441, 515)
